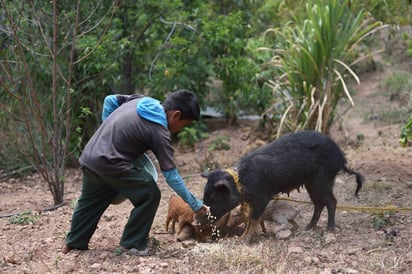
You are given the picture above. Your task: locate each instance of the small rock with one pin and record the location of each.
(108, 218)
(164, 265)
(326, 271)
(295, 249)
(145, 269)
(188, 244)
(152, 265)
(284, 234)
(104, 255)
(96, 266)
(49, 240)
(69, 269)
(409, 184)
(353, 250)
(308, 240)
(311, 260)
(408, 257)
(11, 258)
(330, 238)
(134, 269)
(349, 271)
(343, 213)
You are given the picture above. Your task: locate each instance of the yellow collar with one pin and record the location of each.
(235, 177)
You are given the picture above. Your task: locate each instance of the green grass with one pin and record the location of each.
(312, 64)
(24, 218)
(220, 143)
(397, 87)
(397, 82)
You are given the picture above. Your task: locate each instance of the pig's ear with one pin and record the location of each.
(205, 174)
(222, 186)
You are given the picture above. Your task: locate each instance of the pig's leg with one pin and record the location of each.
(251, 225)
(321, 194)
(294, 224)
(173, 225)
(314, 194)
(262, 225)
(247, 215)
(326, 197)
(167, 223)
(253, 218)
(257, 213)
(330, 202)
(251, 231)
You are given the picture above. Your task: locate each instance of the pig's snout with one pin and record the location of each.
(199, 220)
(196, 224)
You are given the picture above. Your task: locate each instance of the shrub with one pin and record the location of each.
(311, 64)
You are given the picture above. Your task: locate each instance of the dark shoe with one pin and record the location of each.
(135, 252)
(67, 249)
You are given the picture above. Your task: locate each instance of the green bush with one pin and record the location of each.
(382, 219)
(189, 136)
(220, 143)
(406, 133)
(24, 218)
(397, 87)
(312, 63)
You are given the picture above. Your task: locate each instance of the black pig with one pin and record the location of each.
(306, 158)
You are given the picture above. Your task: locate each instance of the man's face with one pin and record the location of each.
(175, 124)
(179, 125)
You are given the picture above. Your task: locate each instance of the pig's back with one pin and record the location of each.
(291, 160)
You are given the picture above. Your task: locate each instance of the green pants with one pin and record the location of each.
(97, 194)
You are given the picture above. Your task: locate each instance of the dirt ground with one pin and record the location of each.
(364, 241)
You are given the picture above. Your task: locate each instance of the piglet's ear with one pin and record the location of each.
(204, 174)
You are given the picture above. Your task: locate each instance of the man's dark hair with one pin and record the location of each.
(185, 101)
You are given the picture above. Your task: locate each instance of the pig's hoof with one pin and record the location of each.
(309, 227)
(247, 238)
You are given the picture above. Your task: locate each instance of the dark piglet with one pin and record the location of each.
(305, 158)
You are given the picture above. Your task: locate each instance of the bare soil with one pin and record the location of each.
(357, 246)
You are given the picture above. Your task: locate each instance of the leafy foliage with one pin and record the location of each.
(406, 133)
(42, 75)
(382, 219)
(24, 218)
(233, 64)
(397, 86)
(191, 135)
(219, 143)
(389, 12)
(311, 64)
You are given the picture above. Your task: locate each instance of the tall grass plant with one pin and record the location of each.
(311, 63)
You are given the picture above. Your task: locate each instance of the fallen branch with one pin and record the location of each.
(43, 210)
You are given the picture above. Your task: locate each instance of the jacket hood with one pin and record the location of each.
(151, 109)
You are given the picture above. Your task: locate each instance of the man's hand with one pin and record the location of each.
(203, 210)
(201, 217)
